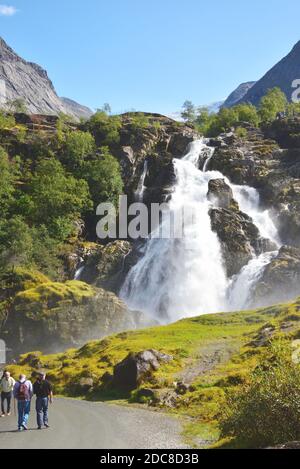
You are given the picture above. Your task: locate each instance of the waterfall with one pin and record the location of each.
(139, 193)
(241, 288)
(249, 203)
(183, 277)
(179, 277)
(79, 272)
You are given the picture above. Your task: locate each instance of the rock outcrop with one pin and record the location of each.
(258, 161)
(281, 278)
(27, 81)
(136, 368)
(158, 142)
(53, 316)
(239, 236)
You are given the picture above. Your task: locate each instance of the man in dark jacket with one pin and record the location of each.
(44, 394)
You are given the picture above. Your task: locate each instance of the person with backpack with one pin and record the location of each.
(6, 385)
(23, 393)
(44, 394)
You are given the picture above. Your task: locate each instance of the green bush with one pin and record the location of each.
(271, 104)
(105, 128)
(266, 411)
(78, 147)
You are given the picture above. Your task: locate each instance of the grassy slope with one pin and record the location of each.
(191, 342)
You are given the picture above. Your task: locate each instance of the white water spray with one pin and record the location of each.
(181, 277)
(241, 289)
(185, 277)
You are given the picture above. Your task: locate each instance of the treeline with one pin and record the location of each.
(209, 124)
(50, 185)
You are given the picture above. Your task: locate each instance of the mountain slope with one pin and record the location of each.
(28, 81)
(238, 93)
(281, 75)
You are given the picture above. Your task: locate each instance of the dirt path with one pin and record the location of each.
(208, 358)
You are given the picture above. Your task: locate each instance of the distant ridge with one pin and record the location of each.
(28, 81)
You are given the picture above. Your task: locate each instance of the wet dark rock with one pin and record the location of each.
(281, 278)
(221, 195)
(239, 238)
(137, 368)
(105, 264)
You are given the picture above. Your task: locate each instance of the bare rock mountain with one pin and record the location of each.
(238, 93)
(281, 75)
(28, 81)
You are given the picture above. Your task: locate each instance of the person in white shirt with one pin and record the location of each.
(7, 384)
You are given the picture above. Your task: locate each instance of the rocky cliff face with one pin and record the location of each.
(281, 75)
(28, 81)
(52, 316)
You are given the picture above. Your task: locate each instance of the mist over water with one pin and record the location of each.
(182, 277)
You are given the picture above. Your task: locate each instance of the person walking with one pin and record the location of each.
(7, 386)
(44, 394)
(23, 393)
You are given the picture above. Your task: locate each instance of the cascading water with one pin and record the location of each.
(181, 277)
(178, 277)
(249, 203)
(239, 295)
(139, 194)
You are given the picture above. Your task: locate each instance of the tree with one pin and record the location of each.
(271, 104)
(188, 112)
(7, 179)
(105, 108)
(57, 199)
(247, 113)
(104, 178)
(78, 147)
(104, 128)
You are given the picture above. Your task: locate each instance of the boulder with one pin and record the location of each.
(137, 368)
(239, 238)
(281, 278)
(85, 385)
(221, 195)
(54, 316)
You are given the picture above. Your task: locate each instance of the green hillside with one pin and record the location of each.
(211, 355)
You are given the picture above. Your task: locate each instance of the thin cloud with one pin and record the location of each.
(6, 10)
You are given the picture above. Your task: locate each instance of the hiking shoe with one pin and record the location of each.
(25, 426)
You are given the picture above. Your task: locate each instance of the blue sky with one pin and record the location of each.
(150, 55)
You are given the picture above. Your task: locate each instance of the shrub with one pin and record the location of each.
(271, 104)
(241, 132)
(267, 410)
(105, 128)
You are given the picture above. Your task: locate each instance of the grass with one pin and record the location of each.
(186, 340)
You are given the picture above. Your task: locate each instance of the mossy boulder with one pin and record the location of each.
(54, 316)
